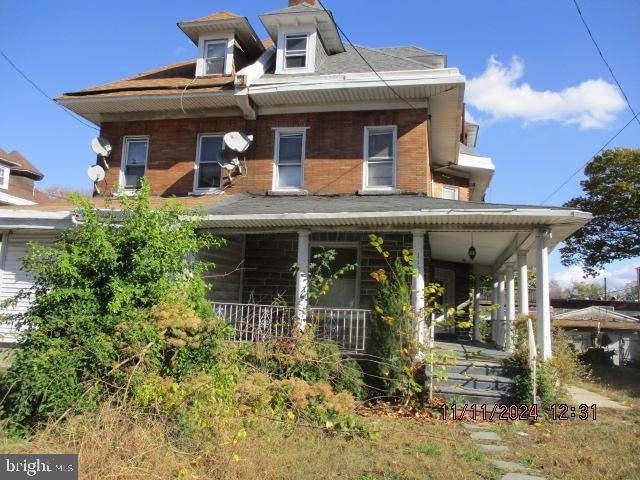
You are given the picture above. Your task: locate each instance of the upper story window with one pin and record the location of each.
(134, 161)
(289, 159)
(296, 51)
(208, 174)
(380, 157)
(215, 55)
(450, 192)
(4, 177)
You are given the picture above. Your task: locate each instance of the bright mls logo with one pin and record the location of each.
(49, 467)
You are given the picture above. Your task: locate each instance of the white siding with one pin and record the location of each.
(13, 277)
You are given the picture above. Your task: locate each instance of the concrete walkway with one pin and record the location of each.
(580, 395)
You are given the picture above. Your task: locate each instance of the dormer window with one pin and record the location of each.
(4, 177)
(215, 55)
(296, 51)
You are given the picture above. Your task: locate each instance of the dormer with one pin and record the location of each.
(304, 33)
(226, 43)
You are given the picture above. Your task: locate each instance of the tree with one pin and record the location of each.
(612, 195)
(585, 291)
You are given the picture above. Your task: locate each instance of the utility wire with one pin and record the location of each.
(635, 117)
(575, 2)
(395, 92)
(34, 85)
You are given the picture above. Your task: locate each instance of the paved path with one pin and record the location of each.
(580, 395)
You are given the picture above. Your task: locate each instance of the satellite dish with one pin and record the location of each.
(101, 146)
(96, 173)
(237, 141)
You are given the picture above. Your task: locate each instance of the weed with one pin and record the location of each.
(427, 448)
(472, 454)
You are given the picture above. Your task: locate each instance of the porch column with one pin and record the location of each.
(501, 301)
(542, 293)
(511, 308)
(523, 284)
(476, 308)
(494, 312)
(302, 280)
(418, 285)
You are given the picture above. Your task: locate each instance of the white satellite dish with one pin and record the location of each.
(237, 141)
(96, 173)
(101, 146)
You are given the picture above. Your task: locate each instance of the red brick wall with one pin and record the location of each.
(334, 150)
(440, 179)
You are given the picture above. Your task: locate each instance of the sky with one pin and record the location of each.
(544, 99)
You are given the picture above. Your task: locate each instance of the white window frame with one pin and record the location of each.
(125, 155)
(196, 169)
(201, 64)
(452, 188)
(394, 159)
(276, 157)
(6, 171)
(312, 38)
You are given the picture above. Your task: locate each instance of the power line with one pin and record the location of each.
(575, 2)
(635, 117)
(395, 92)
(41, 91)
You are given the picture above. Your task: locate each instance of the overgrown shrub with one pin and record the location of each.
(597, 356)
(117, 295)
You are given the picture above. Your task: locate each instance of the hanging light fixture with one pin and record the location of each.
(472, 250)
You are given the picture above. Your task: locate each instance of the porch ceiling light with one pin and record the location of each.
(472, 250)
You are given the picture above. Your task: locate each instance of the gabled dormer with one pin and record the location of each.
(304, 34)
(226, 43)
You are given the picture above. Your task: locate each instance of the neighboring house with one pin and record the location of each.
(18, 179)
(339, 151)
(602, 326)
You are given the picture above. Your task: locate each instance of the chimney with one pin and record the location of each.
(313, 3)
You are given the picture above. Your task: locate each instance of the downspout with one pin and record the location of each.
(430, 185)
(246, 76)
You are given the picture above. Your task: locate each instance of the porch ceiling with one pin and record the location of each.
(454, 246)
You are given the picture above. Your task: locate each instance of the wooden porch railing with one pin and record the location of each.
(256, 323)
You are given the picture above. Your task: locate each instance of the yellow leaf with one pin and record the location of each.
(236, 457)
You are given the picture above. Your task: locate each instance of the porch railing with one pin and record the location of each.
(257, 323)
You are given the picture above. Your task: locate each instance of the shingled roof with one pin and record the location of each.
(20, 165)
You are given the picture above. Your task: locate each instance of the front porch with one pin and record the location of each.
(257, 290)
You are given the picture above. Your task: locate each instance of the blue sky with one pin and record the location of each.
(545, 101)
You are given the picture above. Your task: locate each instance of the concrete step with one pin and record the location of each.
(483, 382)
(476, 396)
(474, 368)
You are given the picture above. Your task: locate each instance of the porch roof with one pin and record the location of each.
(501, 230)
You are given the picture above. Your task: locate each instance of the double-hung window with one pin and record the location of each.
(208, 170)
(215, 54)
(4, 177)
(380, 157)
(289, 158)
(450, 192)
(134, 161)
(295, 50)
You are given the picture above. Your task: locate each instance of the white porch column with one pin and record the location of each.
(302, 280)
(501, 312)
(523, 284)
(542, 293)
(511, 308)
(476, 308)
(494, 313)
(418, 285)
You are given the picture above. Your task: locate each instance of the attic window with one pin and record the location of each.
(4, 177)
(296, 50)
(215, 55)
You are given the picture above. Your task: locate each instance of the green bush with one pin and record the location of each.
(597, 356)
(117, 295)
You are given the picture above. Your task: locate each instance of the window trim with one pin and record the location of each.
(276, 158)
(201, 64)
(196, 167)
(394, 160)
(125, 154)
(453, 188)
(5, 179)
(346, 244)
(312, 35)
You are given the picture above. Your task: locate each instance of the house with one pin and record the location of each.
(18, 179)
(602, 326)
(344, 141)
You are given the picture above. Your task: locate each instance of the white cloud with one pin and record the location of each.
(616, 278)
(499, 92)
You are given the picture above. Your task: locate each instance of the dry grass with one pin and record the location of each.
(620, 384)
(113, 445)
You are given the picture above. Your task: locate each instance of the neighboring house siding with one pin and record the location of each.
(13, 277)
(334, 150)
